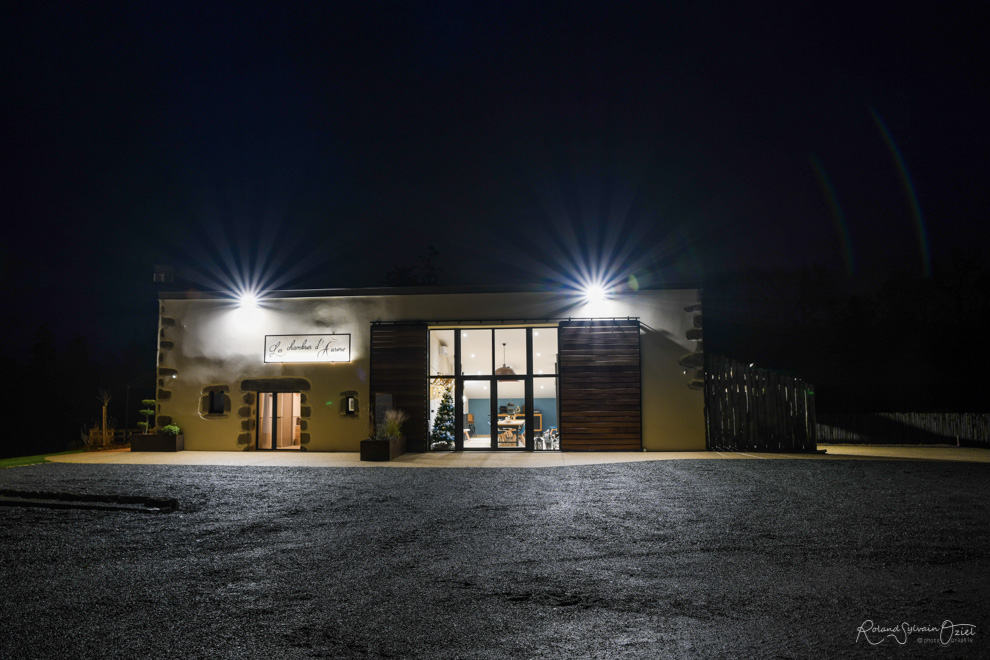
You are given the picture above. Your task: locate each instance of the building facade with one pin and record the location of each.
(474, 369)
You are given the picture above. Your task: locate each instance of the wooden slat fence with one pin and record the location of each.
(968, 429)
(752, 409)
(115, 437)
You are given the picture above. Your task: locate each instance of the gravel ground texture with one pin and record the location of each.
(707, 559)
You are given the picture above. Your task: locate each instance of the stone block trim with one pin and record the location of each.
(695, 360)
(247, 413)
(275, 385)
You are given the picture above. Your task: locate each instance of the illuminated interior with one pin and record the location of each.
(279, 419)
(492, 382)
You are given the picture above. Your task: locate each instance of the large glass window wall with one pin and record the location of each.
(493, 388)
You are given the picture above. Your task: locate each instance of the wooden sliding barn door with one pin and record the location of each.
(600, 397)
(399, 356)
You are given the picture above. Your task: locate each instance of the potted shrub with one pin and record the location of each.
(148, 410)
(168, 438)
(388, 441)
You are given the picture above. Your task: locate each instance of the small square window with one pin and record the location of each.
(216, 403)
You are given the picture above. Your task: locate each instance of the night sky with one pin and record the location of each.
(322, 144)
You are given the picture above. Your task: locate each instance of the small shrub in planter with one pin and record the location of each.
(148, 410)
(169, 438)
(391, 428)
(388, 441)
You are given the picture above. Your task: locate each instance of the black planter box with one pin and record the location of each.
(158, 442)
(382, 450)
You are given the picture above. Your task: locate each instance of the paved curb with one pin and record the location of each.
(511, 460)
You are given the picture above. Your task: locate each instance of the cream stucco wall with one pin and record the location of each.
(215, 343)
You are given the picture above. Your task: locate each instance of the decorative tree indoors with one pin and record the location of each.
(442, 435)
(148, 411)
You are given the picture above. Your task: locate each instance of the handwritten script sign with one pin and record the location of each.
(307, 348)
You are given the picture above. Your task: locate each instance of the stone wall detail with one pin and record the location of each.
(165, 374)
(694, 362)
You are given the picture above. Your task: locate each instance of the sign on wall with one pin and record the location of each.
(307, 348)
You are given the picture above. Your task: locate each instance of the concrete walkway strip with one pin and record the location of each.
(513, 459)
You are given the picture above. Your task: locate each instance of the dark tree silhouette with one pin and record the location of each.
(425, 273)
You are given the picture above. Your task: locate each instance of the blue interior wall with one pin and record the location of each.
(480, 409)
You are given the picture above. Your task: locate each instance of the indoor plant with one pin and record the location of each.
(442, 434)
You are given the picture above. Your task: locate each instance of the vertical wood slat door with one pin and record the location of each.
(600, 392)
(399, 355)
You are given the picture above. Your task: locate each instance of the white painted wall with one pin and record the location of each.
(217, 343)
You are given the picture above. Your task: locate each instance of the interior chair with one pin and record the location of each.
(507, 438)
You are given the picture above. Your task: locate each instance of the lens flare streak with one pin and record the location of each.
(840, 218)
(909, 188)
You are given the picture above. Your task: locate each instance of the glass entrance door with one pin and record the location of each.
(279, 422)
(509, 404)
(477, 405)
(495, 414)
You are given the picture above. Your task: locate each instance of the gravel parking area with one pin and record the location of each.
(692, 558)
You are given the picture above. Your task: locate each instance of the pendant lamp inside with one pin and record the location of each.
(504, 370)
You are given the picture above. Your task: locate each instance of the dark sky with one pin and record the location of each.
(322, 144)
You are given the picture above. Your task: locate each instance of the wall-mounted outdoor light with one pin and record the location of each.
(595, 293)
(247, 300)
